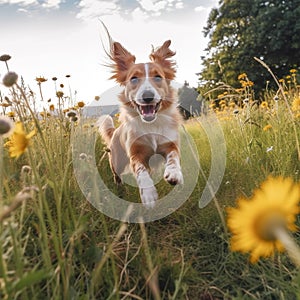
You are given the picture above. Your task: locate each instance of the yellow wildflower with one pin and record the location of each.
(264, 104)
(19, 140)
(11, 114)
(254, 223)
(40, 79)
(51, 107)
(267, 127)
(296, 104)
(293, 71)
(242, 76)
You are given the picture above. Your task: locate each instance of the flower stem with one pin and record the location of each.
(289, 244)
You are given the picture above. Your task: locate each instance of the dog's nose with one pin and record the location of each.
(148, 96)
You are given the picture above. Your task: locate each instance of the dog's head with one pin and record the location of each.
(147, 85)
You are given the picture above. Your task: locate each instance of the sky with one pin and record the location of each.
(55, 38)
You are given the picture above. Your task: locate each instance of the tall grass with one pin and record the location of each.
(55, 245)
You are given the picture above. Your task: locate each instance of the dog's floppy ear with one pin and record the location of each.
(122, 59)
(162, 56)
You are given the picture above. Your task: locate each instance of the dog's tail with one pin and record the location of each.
(106, 128)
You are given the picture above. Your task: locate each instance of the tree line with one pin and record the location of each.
(238, 31)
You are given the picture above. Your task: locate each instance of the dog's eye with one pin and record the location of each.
(134, 80)
(157, 78)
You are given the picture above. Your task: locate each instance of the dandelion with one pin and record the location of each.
(267, 127)
(6, 126)
(259, 224)
(19, 140)
(10, 79)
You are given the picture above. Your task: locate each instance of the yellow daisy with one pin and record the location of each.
(19, 140)
(264, 104)
(255, 221)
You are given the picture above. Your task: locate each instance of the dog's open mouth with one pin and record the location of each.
(148, 111)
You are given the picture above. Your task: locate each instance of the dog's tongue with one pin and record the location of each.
(148, 112)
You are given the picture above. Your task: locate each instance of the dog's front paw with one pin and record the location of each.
(173, 175)
(149, 196)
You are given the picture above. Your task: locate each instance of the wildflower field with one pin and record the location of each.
(54, 244)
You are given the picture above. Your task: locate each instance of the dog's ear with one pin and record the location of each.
(122, 59)
(162, 56)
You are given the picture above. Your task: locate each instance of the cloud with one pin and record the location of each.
(24, 3)
(20, 2)
(90, 9)
(155, 6)
(140, 9)
(51, 3)
(199, 8)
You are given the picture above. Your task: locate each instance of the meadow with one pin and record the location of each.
(54, 244)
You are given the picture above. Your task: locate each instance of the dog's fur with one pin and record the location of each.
(149, 118)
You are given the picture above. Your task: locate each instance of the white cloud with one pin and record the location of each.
(93, 9)
(20, 2)
(199, 8)
(155, 6)
(51, 3)
(179, 5)
(23, 3)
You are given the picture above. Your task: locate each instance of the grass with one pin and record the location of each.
(55, 245)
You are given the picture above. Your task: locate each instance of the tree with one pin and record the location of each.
(241, 30)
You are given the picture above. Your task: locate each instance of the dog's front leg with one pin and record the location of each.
(173, 173)
(139, 163)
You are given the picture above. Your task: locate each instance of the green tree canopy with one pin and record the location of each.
(238, 31)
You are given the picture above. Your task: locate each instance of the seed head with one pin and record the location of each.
(5, 57)
(80, 104)
(6, 126)
(71, 114)
(10, 79)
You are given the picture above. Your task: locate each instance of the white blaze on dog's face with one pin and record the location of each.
(147, 85)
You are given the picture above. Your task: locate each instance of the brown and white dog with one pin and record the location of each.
(149, 119)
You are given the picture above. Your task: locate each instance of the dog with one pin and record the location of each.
(149, 119)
